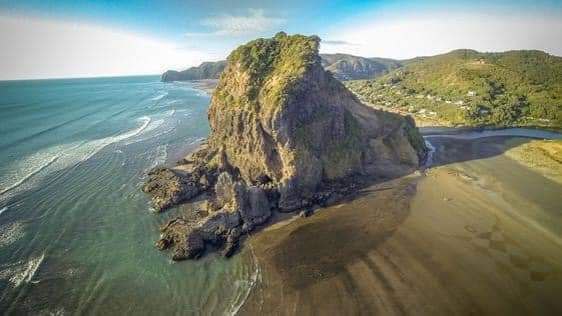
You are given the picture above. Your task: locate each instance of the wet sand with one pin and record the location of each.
(480, 233)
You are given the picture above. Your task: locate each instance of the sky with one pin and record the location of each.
(86, 38)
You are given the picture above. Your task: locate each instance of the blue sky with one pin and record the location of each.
(150, 36)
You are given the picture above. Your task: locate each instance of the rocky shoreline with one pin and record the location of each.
(285, 137)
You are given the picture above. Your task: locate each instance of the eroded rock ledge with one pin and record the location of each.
(285, 135)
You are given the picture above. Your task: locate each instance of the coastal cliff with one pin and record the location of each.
(207, 70)
(285, 135)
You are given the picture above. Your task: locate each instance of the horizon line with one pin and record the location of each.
(159, 74)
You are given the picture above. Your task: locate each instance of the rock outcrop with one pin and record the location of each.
(285, 135)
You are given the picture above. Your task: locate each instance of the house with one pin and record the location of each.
(471, 93)
(459, 102)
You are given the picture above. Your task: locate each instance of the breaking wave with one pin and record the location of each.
(20, 272)
(59, 157)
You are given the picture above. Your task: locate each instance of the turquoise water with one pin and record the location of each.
(76, 233)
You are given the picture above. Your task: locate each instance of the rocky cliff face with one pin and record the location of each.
(285, 135)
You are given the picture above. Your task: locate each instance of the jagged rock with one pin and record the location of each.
(224, 189)
(258, 209)
(284, 135)
(169, 187)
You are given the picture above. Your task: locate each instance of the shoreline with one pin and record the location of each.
(205, 85)
(322, 255)
(400, 286)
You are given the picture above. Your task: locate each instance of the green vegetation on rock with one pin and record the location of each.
(278, 114)
(285, 135)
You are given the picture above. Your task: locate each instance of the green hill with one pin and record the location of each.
(466, 87)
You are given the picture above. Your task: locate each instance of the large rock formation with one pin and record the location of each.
(285, 135)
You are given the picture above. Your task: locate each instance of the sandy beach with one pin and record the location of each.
(478, 234)
(207, 85)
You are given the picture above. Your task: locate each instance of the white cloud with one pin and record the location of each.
(413, 35)
(231, 25)
(41, 48)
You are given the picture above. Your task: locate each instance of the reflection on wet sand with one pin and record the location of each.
(472, 236)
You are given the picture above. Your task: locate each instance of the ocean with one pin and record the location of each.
(76, 232)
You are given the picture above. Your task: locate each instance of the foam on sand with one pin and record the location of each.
(245, 286)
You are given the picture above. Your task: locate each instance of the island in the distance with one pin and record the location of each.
(285, 136)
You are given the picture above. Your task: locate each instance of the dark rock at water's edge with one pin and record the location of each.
(285, 136)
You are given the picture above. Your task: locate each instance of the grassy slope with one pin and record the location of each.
(511, 88)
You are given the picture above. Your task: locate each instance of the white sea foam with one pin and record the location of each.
(27, 171)
(247, 286)
(11, 232)
(159, 97)
(161, 155)
(430, 153)
(35, 165)
(93, 147)
(146, 133)
(20, 272)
